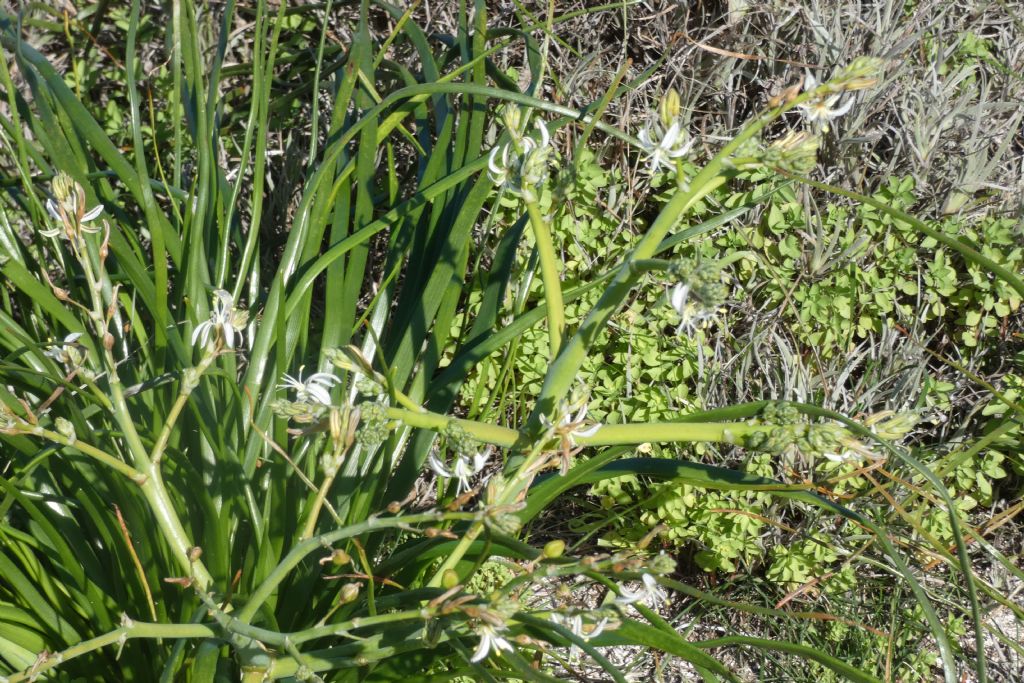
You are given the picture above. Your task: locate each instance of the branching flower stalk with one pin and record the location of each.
(70, 197)
(520, 166)
(717, 172)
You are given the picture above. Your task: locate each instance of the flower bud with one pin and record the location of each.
(554, 549)
(64, 187)
(450, 579)
(669, 107)
(339, 557)
(65, 428)
(349, 593)
(861, 73)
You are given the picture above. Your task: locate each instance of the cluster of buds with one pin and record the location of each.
(521, 164)
(297, 411)
(68, 208)
(374, 425)
(796, 152)
(664, 138)
(829, 440)
(698, 293)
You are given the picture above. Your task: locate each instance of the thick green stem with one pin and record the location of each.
(153, 487)
(549, 274)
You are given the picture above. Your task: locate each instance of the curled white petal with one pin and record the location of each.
(313, 389)
(92, 214)
(678, 296)
(490, 639)
(53, 209)
(650, 592)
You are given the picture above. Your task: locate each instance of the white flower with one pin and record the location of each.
(570, 426)
(225, 323)
(691, 311)
(521, 164)
(490, 639)
(56, 212)
(650, 593)
(664, 146)
(678, 297)
(464, 468)
(821, 110)
(63, 353)
(575, 625)
(314, 389)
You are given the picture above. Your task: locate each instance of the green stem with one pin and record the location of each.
(127, 632)
(549, 276)
(607, 435)
(566, 366)
(263, 592)
(84, 448)
(187, 387)
(487, 433)
(153, 487)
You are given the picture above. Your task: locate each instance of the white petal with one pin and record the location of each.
(841, 110)
(200, 329)
(319, 393)
(438, 467)
(481, 649)
(678, 297)
(53, 209)
(588, 431)
(479, 460)
(92, 214)
(492, 164)
(810, 82)
(545, 136)
(229, 336)
(72, 338)
(671, 135)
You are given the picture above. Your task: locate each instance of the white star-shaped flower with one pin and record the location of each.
(225, 323)
(313, 389)
(662, 146)
(820, 111)
(490, 639)
(649, 593)
(463, 469)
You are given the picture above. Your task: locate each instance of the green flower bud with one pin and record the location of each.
(349, 593)
(669, 107)
(65, 428)
(65, 189)
(554, 549)
(862, 72)
(450, 579)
